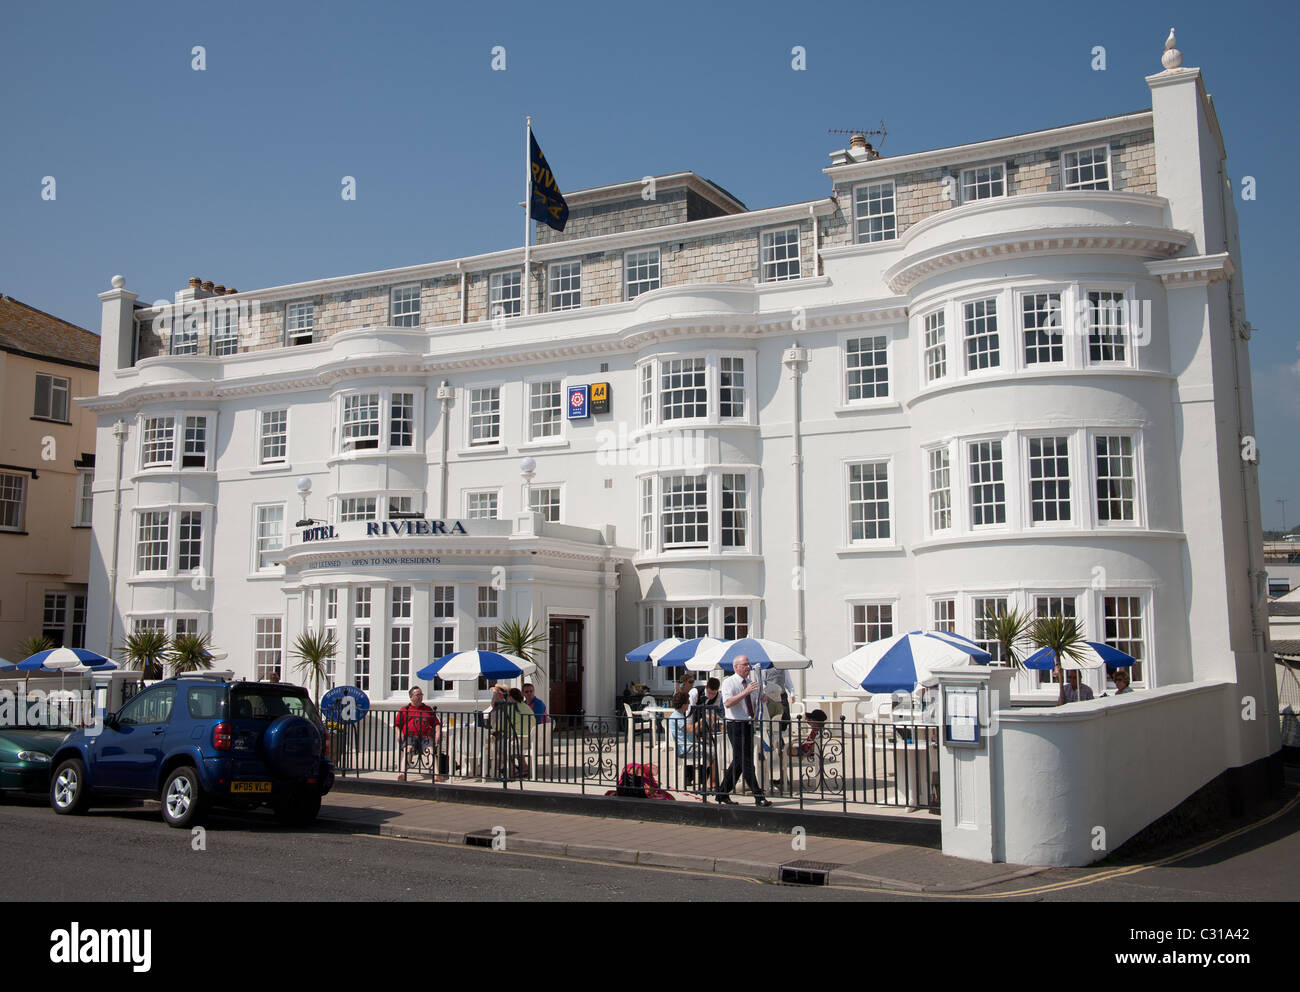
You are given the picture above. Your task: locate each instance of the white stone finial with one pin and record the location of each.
(1173, 58)
(118, 282)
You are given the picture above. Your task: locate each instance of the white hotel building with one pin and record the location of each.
(1009, 373)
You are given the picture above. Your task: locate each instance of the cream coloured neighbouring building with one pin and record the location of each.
(1008, 373)
(47, 467)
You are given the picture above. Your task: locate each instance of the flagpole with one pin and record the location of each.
(528, 200)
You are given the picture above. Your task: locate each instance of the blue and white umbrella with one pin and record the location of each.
(905, 661)
(6, 665)
(686, 650)
(461, 665)
(64, 660)
(761, 653)
(653, 651)
(1093, 655)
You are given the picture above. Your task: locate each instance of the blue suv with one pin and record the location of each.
(200, 741)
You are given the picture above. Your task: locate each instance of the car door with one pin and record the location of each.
(129, 754)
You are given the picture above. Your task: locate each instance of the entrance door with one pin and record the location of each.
(566, 665)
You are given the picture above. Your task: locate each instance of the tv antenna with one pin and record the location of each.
(880, 132)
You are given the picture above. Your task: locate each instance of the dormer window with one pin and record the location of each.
(299, 323)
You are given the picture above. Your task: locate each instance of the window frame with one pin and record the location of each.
(628, 281)
(396, 319)
(974, 169)
(534, 488)
(845, 338)
(891, 539)
(491, 443)
(866, 603)
(1127, 294)
(1027, 437)
(293, 335)
(226, 319)
(1006, 481)
(497, 493)
(84, 504)
(764, 247)
(496, 282)
(257, 549)
(1134, 435)
(927, 472)
(54, 389)
(1018, 297)
(944, 345)
(998, 368)
(262, 459)
(559, 434)
(891, 228)
(20, 526)
(553, 277)
(1090, 186)
(346, 447)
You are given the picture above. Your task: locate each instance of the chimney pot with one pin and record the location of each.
(219, 290)
(207, 286)
(195, 282)
(858, 141)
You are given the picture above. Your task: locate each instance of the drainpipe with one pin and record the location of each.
(444, 397)
(816, 244)
(119, 435)
(464, 303)
(792, 359)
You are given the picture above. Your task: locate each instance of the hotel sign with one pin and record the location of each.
(600, 394)
(579, 402)
(391, 528)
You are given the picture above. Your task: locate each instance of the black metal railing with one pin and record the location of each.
(841, 762)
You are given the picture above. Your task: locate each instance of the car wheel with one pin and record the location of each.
(182, 797)
(68, 792)
(300, 811)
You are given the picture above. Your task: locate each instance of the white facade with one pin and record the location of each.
(1031, 399)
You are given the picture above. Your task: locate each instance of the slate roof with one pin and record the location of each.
(24, 330)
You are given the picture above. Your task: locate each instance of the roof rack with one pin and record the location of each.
(223, 676)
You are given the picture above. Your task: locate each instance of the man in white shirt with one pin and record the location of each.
(740, 697)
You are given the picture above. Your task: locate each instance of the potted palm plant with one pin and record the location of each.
(1065, 637)
(521, 639)
(190, 653)
(1009, 628)
(315, 654)
(145, 651)
(29, 646)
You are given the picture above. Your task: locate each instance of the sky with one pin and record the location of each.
(233, 173)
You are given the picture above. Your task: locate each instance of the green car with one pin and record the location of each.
(25, 758)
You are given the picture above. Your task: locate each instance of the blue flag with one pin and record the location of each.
(547, 204)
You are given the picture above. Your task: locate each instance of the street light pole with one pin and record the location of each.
(1283, 502)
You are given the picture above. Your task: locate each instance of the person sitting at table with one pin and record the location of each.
(1120, 677)
(816, 722)
(419, 728)
(687, 736)
(1075, 691)
(538, 707)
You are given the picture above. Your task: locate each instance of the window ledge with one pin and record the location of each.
(869, 549)
(277, 573)
(1038, 534)
(270, 467)
(691, 555)
(53, 420)
(484, 449)
(147, 577)
(158, 473)
(556, 443)
(1037, 371)
(82, 526)
(872, 407)
(6, 530)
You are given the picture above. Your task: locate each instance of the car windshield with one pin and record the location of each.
(259, 702)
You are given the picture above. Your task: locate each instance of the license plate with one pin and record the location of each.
(250, 786)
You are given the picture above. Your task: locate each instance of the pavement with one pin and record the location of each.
(705, 849)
